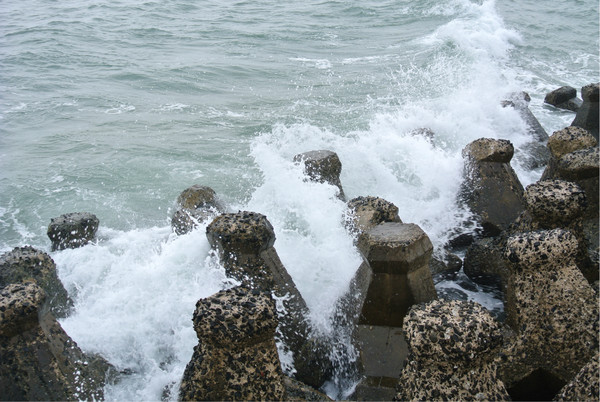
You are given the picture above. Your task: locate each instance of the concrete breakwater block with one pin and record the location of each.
(39, 360)
(245, 244)
(196, 203)
(236, 356)
(451, 353)
(587, 115)
(24, 264)
(72, 230)
(322, 167)
(398, 255)
(491, 188)
(367, 212)
(553, 310)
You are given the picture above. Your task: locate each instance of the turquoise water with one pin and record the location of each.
(116, 107)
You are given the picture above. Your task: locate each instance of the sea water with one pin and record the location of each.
(116, 107)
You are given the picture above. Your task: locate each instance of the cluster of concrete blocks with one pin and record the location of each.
(411, 345)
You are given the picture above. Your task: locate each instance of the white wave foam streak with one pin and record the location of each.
(135, 293)
(307, 217)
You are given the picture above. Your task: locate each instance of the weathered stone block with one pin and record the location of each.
(564, 98)
(322, 167)
(39, 360)
(196, 203)
(368, 212)
(585, 386)
(491, 188)
(484, 262)
(236, 358)
(555, 202)
(398, 255)
(28, 264)
(550, 305)
(451, 349)
(587, 115)
(72, 230)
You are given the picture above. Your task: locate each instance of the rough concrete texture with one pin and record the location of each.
(550, 305)
(451, 348)
(195, 204)
(236, 357)
(484, 262)
(570, 139)
(491, 188)
(368, 212)
(585, 386)
(39, 360)
(578, 165)
(28, 264)
(322, 167)
(489, 150)
(564, 98)
(555, 202)
(398, 255)
(72, 230)
(587, 115)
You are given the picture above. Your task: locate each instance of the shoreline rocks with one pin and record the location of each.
(72, 230)
(564, 98)
(322, 167)
(195, 204)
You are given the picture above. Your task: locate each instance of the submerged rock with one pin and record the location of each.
(236, 356)
(564, 98)
(24, 264)
(72, 230)
(451, 353)
(39, 360)
(322, 167)
(196, 203)
(491, 188)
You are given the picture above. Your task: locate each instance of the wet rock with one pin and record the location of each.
(587, 115)
(550, 306)
(535, 153)
(564, 98)
(368, 212)
(491, 188)
(398, 255)
(24, 264)
(484, 262)
(322, 167)
(196, 203)
(236, 357)
(72, 230)
(451, 353)
(244, 242)
(39, 360)
(585, 385)
(448, 264)
(297, 391)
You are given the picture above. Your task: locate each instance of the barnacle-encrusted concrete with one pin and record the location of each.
(368, 212)
(323, 167)
(491, 188)
(72, 230)
(555, 204)
(585, 386)
(196, 203)
(39, 360)
(236, 357)
(25, 264)
(451, 349)
(244, 241)
(550, 305)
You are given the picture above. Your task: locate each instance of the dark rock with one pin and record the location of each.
(484, 262)
(564, 98)
(585, 386)
(72, 230)
(491, 188)
(24, 264)
(449, 263)
(451, 351)
(550, 305)
(196, 204)
(39, 360)
(297, 391)
(367, 212)
(236, 357)
(587, 115)
(322, 167)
